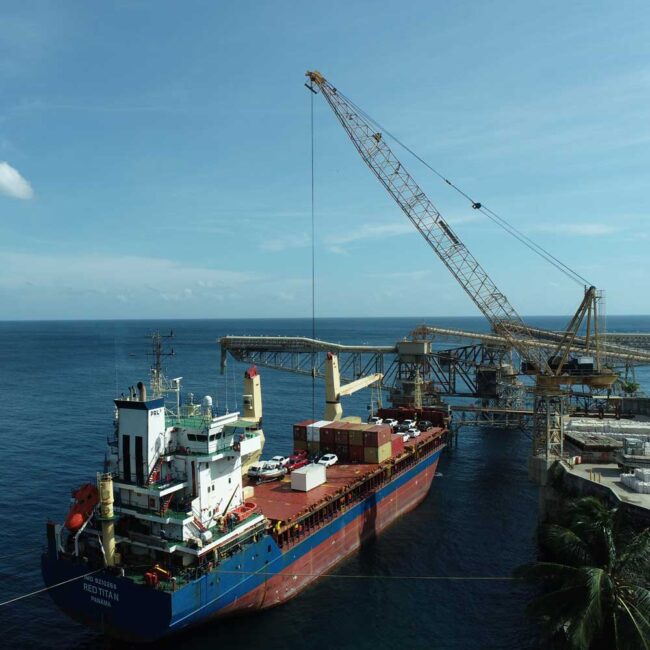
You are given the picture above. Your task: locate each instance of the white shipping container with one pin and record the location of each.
(313, 430)
(308, 477)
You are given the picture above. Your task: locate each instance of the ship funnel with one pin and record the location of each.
(142, 392)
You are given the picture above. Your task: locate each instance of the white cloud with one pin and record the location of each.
(369, 231)
(13, 184)
(301, 240)
(123, 276)
(587, 229)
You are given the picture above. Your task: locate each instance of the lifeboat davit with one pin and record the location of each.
(86, 498)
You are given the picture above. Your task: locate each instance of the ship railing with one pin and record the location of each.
(169, 513)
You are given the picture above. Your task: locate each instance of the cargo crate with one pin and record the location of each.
(300, 429)
(342, 437)
(308, 477)
(397, 444)
(355, 454)
(377, 454)
(377, 436)
(355, 438)
(342, 451)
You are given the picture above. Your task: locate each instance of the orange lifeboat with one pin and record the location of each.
(243, 511)
(86, 498)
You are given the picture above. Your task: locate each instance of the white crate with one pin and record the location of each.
(308, 477)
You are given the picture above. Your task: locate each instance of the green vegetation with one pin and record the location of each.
(596, 580)
(630, 387)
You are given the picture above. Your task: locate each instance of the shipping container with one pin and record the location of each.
(313, 448)
(300, 429)
(355, 434)
(355, 454)
(308, 477)
(377, 454)
(327, 436)
(300, 445)
(397, 444)
(342, 436)
(342, 452)
(313, 430)
(377, 436)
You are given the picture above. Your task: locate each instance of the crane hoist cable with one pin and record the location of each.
(490, 214)
(313, 264)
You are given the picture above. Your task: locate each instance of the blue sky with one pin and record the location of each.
(155, 161)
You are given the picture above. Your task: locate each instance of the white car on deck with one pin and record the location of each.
(413, 432)
(391, 423)
(373, 419)
(328, 460)
(282, 460)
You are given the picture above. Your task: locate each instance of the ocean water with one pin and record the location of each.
(57, 382)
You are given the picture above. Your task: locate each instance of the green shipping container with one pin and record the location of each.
(355, 435)
(377, 454)
(300, 445)
(313, 448)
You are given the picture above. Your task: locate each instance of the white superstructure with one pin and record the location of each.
(178, 472)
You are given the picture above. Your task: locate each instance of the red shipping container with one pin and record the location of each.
(328, 436)
(377, 436)
(355, 454)
(300, 429)
(397, 445)
(342, 451)
(342, 437)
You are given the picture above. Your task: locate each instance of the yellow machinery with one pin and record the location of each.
(334, 391)
(107, 517)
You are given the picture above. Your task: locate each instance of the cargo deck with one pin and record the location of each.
(279, 503)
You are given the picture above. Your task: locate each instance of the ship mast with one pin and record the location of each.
(157, 354)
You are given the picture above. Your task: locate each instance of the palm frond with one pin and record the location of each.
(548, 572)
(634, 623)
(566, 546)
(590, 623)
(634, 556)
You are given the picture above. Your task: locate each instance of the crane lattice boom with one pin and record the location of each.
(436, 231)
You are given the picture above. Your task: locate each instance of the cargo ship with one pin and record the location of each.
(173, 533)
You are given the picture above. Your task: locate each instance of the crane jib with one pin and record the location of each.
(425, 217)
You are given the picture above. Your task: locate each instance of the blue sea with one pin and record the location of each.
(57, 383)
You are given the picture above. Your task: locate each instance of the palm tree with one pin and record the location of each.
(596, 579)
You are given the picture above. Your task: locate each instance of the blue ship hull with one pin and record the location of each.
(124, 609)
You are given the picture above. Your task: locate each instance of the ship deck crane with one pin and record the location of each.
(334, 390)
(550, 373)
